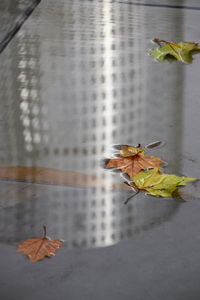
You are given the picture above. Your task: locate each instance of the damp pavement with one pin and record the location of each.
(76, 78)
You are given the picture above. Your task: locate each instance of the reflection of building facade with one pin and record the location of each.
(13, 13)
(78, 84)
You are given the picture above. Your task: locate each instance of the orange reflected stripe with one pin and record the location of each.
(54, 176)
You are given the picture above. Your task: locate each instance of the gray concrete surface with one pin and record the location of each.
(75, 80)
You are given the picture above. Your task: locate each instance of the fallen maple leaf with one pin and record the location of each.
(131, 160)
(156, 184)
(37, 248)
(169, 50)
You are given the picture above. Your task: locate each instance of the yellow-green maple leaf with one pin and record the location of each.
(160, 185)
(169, 50)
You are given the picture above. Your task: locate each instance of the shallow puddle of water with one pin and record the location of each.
(75, 80)
(13, 13)
(83, 217)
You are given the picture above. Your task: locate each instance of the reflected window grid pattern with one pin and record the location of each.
(80, 89)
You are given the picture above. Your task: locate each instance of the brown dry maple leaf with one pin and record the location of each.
(37, 248)
(131, 160)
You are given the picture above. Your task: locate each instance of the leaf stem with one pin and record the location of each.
(127, 200)
(45, 231)
(159, 41)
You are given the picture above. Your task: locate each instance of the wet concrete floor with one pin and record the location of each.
(74, 80)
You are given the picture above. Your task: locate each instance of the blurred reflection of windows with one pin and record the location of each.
(77, 83)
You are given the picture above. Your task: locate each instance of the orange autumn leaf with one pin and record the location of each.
(131, 160)
(37, 248)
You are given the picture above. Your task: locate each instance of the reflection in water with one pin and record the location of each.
(78, 215)
(78, 82)
(13, 13)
